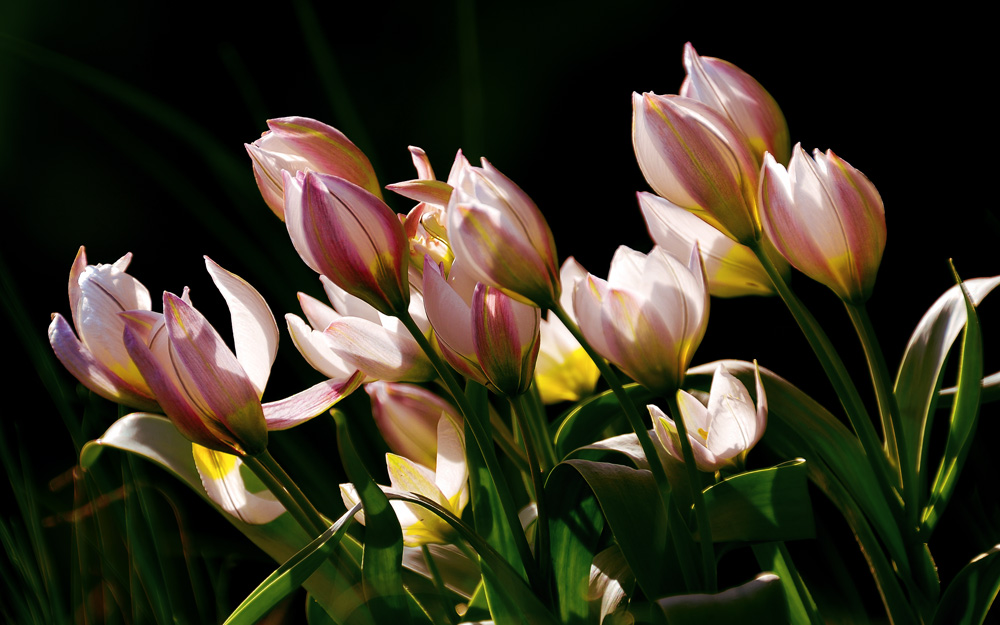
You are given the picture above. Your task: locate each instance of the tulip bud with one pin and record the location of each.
(407, 416)
(694, 157)
(649, 317)
(722, 433)
(350, 236)
(297, 144)
(501, 237)
(734, 93)
(98, 358)
(827, 219)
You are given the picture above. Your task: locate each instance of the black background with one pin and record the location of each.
(541, 89)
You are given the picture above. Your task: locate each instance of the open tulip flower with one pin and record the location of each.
(695, 157)
(446, 483)
(210, 394)
(354, 336)
(734, 93)
(722, 433)
(295, 144)
(648, 317)
(827, 219)
(501, 237)
(350, 236)
(98, 358)
(732, 269)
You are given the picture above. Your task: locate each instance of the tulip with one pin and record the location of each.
(734, 93)
(483, 333)
(211, 395)
(732, 269)
(407, 416)
(501, 237)
(563, 371)
(296, 144)
(223, 481)
(350, 236)
(696, 158)
(826, 219)
(722, 433)
(445, 483)
(354, 336)
(98, 358)
(649, 317)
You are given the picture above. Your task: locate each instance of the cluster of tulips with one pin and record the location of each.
(490, 512)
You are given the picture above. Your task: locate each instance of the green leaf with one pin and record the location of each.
(923, 362)
(970, 595)
(762, 506)
(799, 603)
(335, 586)
(759, 600)
(382, 562)
(292, 574)
(964, 414)
(583, 424)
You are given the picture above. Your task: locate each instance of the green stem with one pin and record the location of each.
(697, 494)
(540, 426)
(538, 484)
(298, 496)
(835, 370)
(688, 565)
(283, 496)
(438, 583)
(485, 444)
(892, 424)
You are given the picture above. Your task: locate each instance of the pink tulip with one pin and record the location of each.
(98, 358)
(697, 159)
(649, 317)
(407, 416)
(734, 93)
(827, 219)
(350, 236)
(296, 144)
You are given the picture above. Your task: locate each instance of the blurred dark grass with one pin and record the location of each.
(122, 124)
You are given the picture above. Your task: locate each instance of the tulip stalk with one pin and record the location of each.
(537, 482)
(483, 441)
(287, 492)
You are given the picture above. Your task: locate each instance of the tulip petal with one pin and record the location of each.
(318, 314)
(220, 475)
(450, 469)
(381, 353)
(408, 476)
(255, 332)
(733, 427)
(314, 401)
(421, 163)
(501, 339)
(317, 350)
(430, 191)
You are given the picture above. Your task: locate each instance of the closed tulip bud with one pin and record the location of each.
(827, 219)
(734, 93)
(722, 433)
(350, 236)
(296, 144)
(501, 236)
(407, 417)
(696, 158)
(98, 358)
(648, 317)
(732, 269)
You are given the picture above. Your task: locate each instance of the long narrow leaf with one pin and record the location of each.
(970, 595)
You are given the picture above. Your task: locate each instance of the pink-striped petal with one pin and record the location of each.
(382, 354)
(421, 163)
(312, 402)
(430, 191)
(505, 335)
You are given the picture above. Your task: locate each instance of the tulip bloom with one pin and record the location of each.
(826, 219)
(732, 269)
(296, 144)
(696, 158)
(349, 235)
(223, 481)
(354, 336)
(445, 483)
(734, 93)
(98, 358)
(484, 334)
(722, 433)
(407, 416)
(211, 395)
(564, 370)
(649, 317)
(501, 237)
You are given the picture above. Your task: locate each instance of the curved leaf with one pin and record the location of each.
(971, 593)
(584, 423)
(760, 596)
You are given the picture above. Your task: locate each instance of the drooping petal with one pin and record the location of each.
(312, 402)
(220, 475)
(255, 332)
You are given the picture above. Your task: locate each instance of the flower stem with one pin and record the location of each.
(697, 494)
(538, 484)
(293, 489)
(688, 565)
(282, 496)
(438, 583)
(485, 444)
